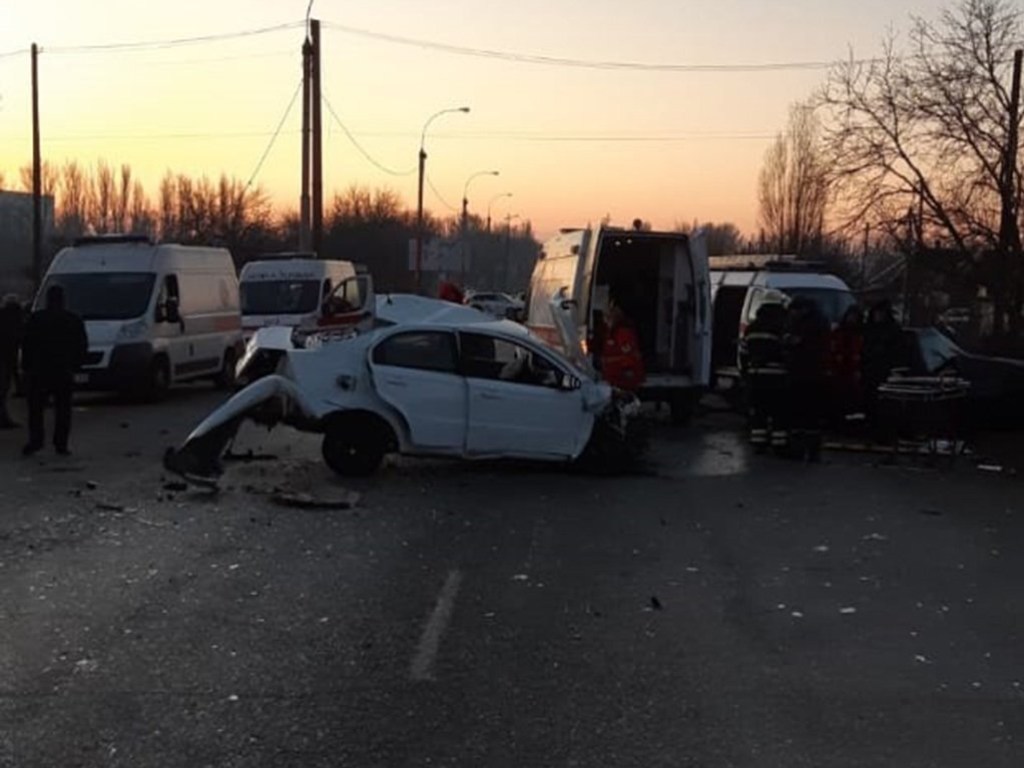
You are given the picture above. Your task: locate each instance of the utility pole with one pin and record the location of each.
(318, 170)
(37, 177)
(864, 257)
(419, 222)
(304, 201)
(1009, 228)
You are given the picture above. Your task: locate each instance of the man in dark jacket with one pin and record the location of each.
(806, 353)
(55, 346)
(12, 327)
(764, 371)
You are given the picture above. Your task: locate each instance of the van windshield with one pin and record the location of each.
(280, 297)
(104, 295)
(833, 303)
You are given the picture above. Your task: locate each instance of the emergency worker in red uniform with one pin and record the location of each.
(622, 364)
(449, 291)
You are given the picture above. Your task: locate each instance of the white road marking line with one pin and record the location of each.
(430, 641)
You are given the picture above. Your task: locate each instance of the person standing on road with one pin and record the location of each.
(764, 369)
(55, 346)
(807, 349)
(12, 328)
(847, 348)
(882, 344)
(622, 365)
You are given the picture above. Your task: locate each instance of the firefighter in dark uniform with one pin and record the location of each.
(764, 369)
(806, 345)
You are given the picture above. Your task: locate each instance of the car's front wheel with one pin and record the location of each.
(354, 450)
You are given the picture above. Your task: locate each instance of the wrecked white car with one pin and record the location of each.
(430, 379)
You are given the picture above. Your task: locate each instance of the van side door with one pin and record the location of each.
(700, 270)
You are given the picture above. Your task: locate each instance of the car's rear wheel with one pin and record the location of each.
(354, 447)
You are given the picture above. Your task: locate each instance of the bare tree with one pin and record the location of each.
(76, 201)
(50, 177)
(722, 239)
(793, 185)
(921, 141)
(105, 196)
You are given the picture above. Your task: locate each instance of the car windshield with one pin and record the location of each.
(833, 303)
(104, 295)
(280, 297)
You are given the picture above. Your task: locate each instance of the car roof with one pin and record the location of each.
(785, 280)
(420, 311)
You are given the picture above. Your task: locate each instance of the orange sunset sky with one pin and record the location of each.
(572, 143)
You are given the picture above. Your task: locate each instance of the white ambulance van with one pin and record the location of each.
(661, 281)
(289, 289)
(155, 313)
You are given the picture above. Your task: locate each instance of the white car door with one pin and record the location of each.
(521, 403)
(416, 372)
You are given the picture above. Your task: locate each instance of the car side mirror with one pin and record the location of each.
(571, 383)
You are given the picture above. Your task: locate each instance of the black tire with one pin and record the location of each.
(159, 381)
(354, 448)
(226, 379)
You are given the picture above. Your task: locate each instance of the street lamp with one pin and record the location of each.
(419, 194)
(490, 203)
(465, 195)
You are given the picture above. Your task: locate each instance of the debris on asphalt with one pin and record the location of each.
(656, 603)
(921, 659)
(92, 485)
(847, 610)
(520, 577)
(176, 486)
(821, 548)
(990, 467)
(797, 614)
(875, 537)
(249, 456)
(346, 500)
(106, 506)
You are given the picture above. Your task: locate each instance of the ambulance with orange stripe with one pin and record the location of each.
(660, 281)
(156, 313)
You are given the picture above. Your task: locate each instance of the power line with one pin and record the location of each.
(169, 43)
(273, 138)
(359, 146)
(532, 58)
(440, 197)
(17, 52)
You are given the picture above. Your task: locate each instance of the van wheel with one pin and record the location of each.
(352, 450)
(226, 379)
(159, 380)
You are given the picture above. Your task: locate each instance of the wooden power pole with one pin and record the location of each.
(37, 178)
(305, 236)
(317, 167)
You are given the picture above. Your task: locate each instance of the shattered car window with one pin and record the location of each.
(488, 357)
(423, 350)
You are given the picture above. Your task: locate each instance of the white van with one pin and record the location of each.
(739, 285)
(155, 314)
(289, 289)
(661, 281)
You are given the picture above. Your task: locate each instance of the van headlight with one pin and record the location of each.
(132, 331)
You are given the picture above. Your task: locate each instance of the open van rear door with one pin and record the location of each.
(563, 312)
(693, 272)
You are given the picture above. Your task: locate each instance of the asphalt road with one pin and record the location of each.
(716, 609)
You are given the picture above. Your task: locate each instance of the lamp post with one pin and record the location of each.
(465, 195)
(508, 245)
(419, 193)
(490, 203)
(465, 215)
